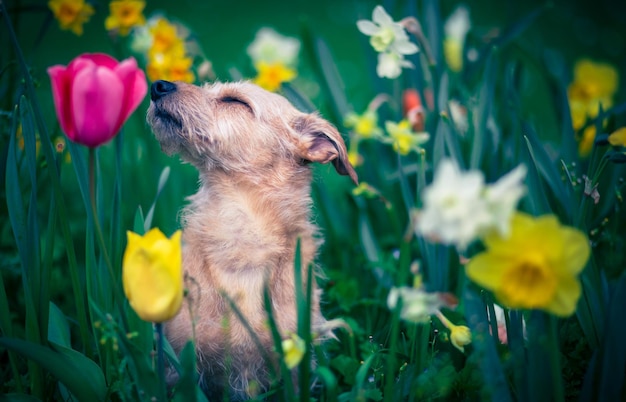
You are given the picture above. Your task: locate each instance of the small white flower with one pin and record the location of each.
(390, 65)
(386, 35)
(454, 209)
(502, 198)
(417, 304)
(273, 48)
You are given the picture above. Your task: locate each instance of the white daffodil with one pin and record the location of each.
(141, 39)
(386, 35)
(454, 209)
(273, 48)
(417, 304)
(458, 23)
(455, 29)
(502, 198)
(459, 207)
(390, 65)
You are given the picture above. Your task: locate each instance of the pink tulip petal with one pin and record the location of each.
(100, 59)
(61, 83)
(97, 96)
(135, 85)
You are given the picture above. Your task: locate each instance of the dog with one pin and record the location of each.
(253, 150)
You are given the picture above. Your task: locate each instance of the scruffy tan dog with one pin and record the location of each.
(252, 149)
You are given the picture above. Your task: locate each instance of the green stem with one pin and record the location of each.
(555, 360)
(100, 236)
(94, 212)
(160, 360)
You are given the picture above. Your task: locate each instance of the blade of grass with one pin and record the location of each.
(485, 103)
(288, 391)
(548, 169)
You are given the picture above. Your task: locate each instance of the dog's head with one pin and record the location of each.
(240, 127)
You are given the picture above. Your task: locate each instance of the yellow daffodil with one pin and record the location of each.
(365, 125)
(124, 15)
(271, 76)
(460, 335)
(402, 137)
(594, 85)
(597, 80)
(152, 275)
(71, 14)
(618, 137)
(535, 267)
(354, 157)
(164, 36)
(172, 66)
(293, 350)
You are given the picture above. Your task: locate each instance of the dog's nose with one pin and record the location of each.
(161, 88)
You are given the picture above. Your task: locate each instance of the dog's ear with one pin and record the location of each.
(319, 141)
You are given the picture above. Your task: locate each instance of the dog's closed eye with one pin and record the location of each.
(232, 100)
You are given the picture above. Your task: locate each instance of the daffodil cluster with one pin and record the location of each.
(390, 40)
(274, 58)
(168, 50)
(594, 86)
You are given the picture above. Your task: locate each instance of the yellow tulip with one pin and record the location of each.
(152, 275)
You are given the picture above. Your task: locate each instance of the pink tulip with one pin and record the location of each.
(94, 95)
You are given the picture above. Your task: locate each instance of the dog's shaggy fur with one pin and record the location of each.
(252, 149)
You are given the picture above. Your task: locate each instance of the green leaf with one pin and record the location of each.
(187, 389)
(496, 388)
(485, 103)
(58, 327)
(18, 398)
(139, 222)
(301, 102)
(537, 195)
(548, 169)
(81, 375)
(605, 379)
(165, 174)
